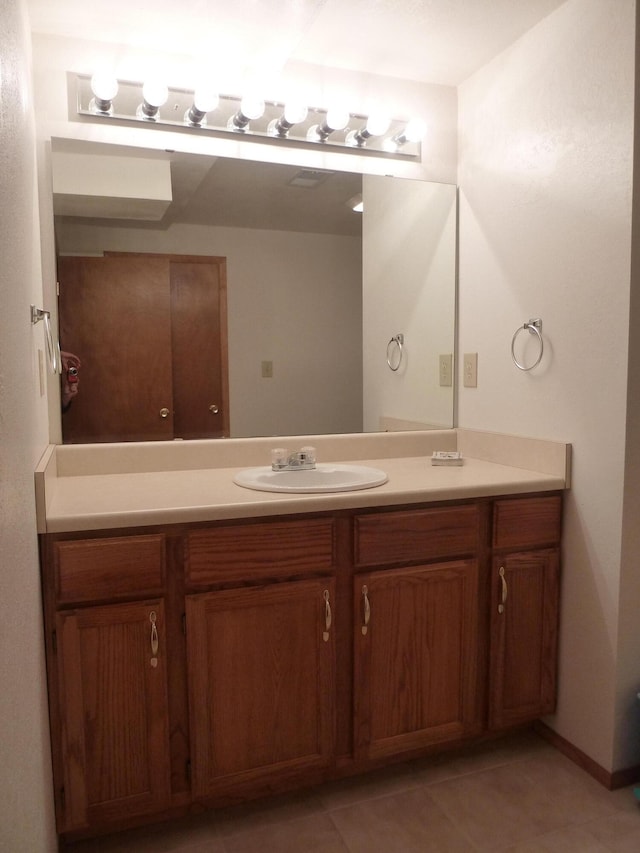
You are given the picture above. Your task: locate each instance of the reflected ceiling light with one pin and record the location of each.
(356, 203)
(414, 131)
(377, 125)
(251, 108)
(154, 94)
(292, 114)
(104, 87)
(335, 119)
(205, 100)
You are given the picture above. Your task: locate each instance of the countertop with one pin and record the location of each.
(102, 501)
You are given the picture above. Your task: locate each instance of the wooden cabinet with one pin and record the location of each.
(200, 664)
(107, 668)
(261, 684)
(415, 656)
(525, 604)
(112, 696)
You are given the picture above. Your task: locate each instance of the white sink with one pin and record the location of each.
(326, 477)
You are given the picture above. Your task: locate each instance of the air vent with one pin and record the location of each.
(309, 178)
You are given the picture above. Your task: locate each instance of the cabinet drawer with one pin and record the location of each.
(518, 523)
(95, 569)
(393, 537)
(256, 551)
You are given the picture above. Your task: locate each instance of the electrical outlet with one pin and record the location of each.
(445, 362)
(267, 369)
(470, 370)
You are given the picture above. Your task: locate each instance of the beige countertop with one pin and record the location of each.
(139, 498)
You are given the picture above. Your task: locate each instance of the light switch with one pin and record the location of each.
(470, 370)
(267, 369)
(445, 362)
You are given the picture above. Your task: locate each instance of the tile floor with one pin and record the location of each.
(517, 795)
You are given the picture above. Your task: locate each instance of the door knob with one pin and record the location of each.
(213, 409)
(164, 413)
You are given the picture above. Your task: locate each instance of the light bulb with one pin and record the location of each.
(377, 124)
(252, 107)
(155, 93)
(295, 113)
(415, 130)
(337, 119)
(104, 86)
(205, 99)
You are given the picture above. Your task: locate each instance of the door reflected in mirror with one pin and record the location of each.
(314, 291)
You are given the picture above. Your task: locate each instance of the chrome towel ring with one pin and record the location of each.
(535, 328)
(396, 343)
(53, 346)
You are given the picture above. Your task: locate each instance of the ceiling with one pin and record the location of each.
(433, 41)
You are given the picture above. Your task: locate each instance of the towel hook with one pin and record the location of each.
(398, 340)
(535, 328)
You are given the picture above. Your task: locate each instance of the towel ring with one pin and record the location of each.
(398, 340)
(535, 328)
(53, 346)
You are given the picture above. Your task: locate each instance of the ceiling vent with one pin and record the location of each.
(309, 178)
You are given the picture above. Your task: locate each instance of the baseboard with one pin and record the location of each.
(618, 779)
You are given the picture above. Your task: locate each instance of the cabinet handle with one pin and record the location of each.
(327, 616)
(154, 638)
(367, 609)
(504, 590)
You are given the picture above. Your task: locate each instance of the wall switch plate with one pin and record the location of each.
(267, 369)
(470, 370)
(445, 362)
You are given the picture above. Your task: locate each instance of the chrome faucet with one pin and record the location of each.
(299, 460)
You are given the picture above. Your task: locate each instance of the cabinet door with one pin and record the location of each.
(261, 683)
(114, 712)
(416, 650)
(524, 636)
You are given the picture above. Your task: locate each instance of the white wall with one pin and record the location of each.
(545, 157)
(294, 299)
(26, 807)
(409, 285)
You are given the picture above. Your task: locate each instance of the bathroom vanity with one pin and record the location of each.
(203, 654)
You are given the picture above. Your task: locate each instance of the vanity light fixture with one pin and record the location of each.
(154, 95)
(204, 110)
(292, 114)
(251, 108)
(104, 88)
(205, 100)
(377, 125)
(335, 119)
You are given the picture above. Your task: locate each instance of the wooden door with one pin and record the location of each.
(114, 712)
(524, 636)
(198, 343)
(416, 651)
(150, 331)
(115, 315)
(261, 684)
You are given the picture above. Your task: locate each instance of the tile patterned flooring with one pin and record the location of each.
(515, 795)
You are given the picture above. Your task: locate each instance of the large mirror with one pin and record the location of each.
(312, 297)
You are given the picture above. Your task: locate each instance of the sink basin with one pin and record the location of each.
(326, 477)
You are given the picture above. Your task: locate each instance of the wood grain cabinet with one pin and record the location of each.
(261, 684)
(416, 628)
(197, 665)
(108, 680)
(525, 608)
